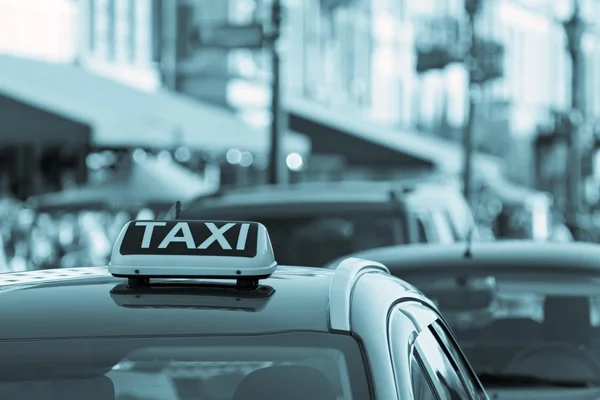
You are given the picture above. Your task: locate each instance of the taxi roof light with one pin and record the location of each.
(176, 249)
(216, 298)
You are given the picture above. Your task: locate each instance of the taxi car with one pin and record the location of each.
(313, 223)
(201, 310)
(526, 313)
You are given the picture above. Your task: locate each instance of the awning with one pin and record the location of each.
(149, 183)
(22, 123)
(120, 115)
(367, 144)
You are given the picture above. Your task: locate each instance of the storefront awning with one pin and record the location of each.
(129, 189)
(367, 144)
(120, 115)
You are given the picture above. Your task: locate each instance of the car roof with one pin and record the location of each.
(308, 194)
(76, 302)
(509, 255)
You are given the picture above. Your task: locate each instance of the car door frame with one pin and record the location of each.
(397, 348)
(422, 317)
(403, 346)
(464, 367)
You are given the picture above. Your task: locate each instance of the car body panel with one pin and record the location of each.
(84, 307)
(517, 255)
(369, 318)
(336, 198)
(66, 305)
(520, 261)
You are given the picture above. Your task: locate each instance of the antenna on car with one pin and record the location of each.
(177, 209)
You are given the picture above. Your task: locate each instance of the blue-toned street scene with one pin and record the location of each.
(299, 199)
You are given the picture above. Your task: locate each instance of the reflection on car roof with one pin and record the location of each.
(77, 302)
(513, 255)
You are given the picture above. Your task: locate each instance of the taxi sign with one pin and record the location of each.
(192, 249)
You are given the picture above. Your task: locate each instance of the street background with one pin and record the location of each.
(177, 98)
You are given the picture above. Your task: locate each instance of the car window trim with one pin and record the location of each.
(416, 352)
(395, 312)
(429, 224)
(427, 323)
(427, 374)
(431, 328)
(439, 389)
(462, 366)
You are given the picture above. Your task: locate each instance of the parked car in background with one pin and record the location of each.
(526, 313)
(313, 223)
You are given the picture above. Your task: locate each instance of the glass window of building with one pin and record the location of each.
(361, 81)
(102, 27)
(313, 33)
(345, 53)
(143, 28)
(123, 31)
(242, 11)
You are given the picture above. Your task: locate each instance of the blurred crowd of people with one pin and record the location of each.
(32, 241)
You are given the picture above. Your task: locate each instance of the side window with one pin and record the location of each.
(458, 229)
(444, 226)
(426, 228)
(421, 384)
(421, 230)
(469, 378)
(439, 364)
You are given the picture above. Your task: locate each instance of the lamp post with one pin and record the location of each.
(472, 8)
(275, 164)
(575, 28)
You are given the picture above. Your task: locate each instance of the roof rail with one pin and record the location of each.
(342, 284)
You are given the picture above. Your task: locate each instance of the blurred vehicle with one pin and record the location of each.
(521, 212)
(314, 223)
(200, 309)
(527, 314)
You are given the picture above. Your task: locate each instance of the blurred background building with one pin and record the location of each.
(44, 30)
(354, 57)
(360, 58)
(372, 89)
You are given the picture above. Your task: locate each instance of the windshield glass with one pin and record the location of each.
(542, 325)
(287, 366)
(314, 241)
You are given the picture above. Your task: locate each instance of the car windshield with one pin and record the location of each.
(287, 366)
(314, 241)
(540, 325)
